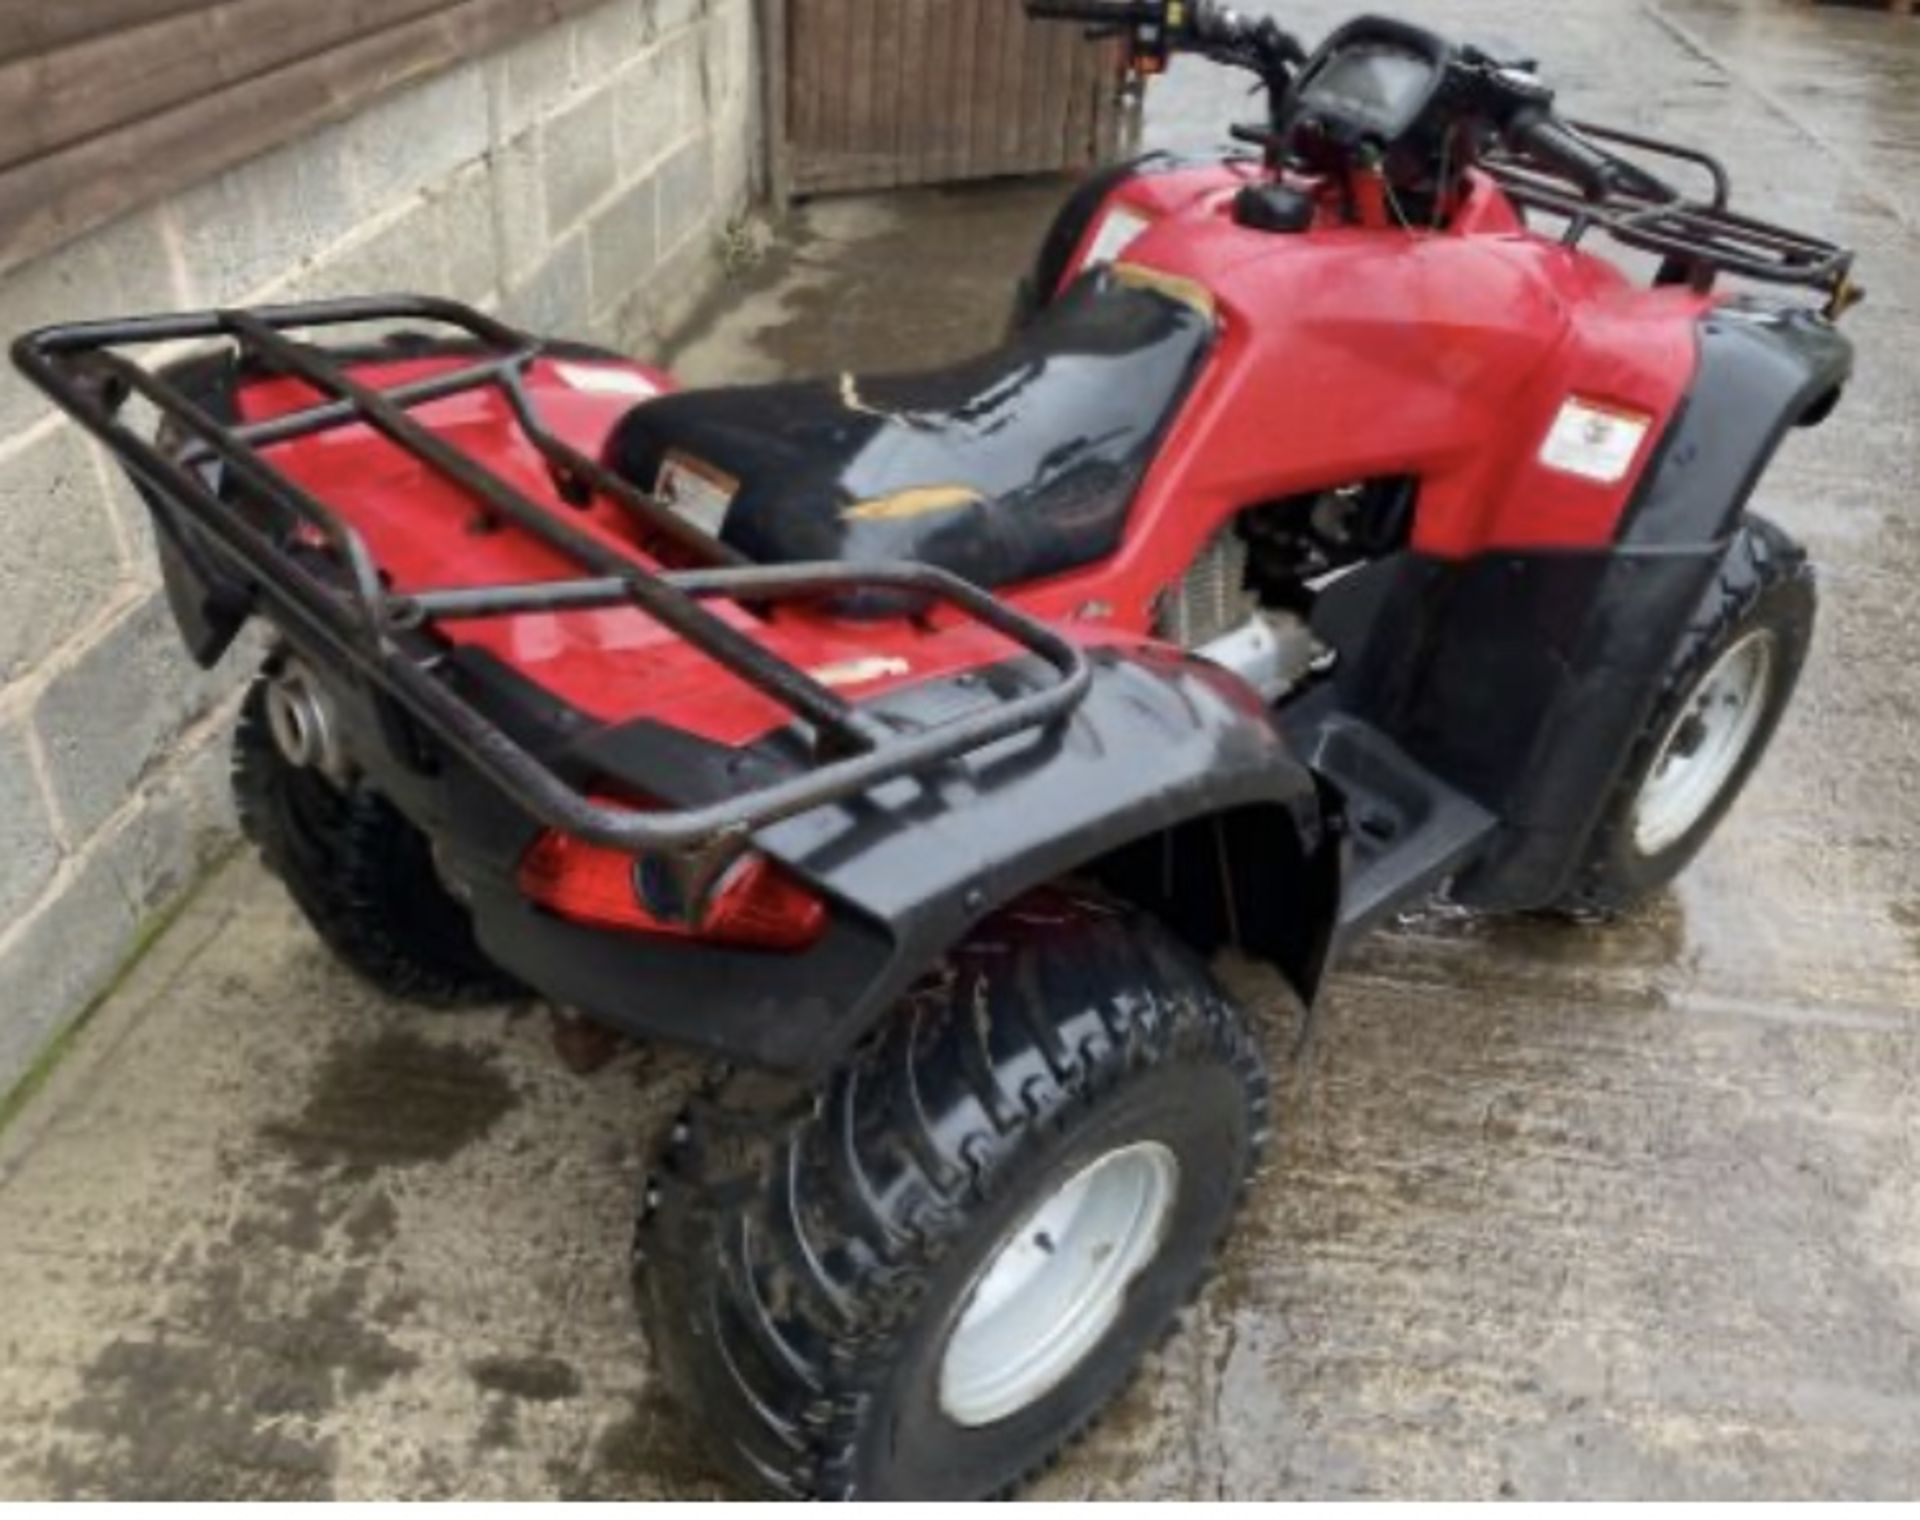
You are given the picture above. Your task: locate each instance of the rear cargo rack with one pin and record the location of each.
(352, 613)
(1698, 239)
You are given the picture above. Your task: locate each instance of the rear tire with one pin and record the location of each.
(1724, 695)
(924, 1278)
(363, 876)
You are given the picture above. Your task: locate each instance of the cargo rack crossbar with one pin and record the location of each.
(353, 615)
(1698, 239)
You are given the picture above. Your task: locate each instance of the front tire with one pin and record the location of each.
(1725, 692)
(361, 874)
(925, 1278)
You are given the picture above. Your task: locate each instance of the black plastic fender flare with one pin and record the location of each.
(1763, 370)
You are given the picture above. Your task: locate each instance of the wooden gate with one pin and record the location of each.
(915, 92)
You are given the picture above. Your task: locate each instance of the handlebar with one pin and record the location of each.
(1538, 133)
(1191, 26)
(1097, 12)
(1502, 95)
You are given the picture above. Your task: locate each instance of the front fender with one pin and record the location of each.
(1762, 371)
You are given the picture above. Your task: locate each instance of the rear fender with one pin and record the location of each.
(1170, 783)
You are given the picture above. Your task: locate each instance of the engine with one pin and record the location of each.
(1244, 602)
(1216, 614)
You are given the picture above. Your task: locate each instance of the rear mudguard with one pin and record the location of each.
(1544, 666)
(1170, 782)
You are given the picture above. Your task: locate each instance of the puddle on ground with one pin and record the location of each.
(538, 1379)
(258, 1333)
(398, 1100)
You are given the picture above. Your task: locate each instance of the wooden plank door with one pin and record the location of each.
(913, 92)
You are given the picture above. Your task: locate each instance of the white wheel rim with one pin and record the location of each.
(1056, 1283)
(1705, 744)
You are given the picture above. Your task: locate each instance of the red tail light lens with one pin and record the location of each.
(757, 905)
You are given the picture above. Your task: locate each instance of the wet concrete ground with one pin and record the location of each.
(1557, 1211)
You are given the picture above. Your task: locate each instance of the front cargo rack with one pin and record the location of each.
(1697, 240)
(347, 610)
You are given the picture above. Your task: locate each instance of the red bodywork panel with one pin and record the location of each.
(1349, 353)
(1344, 353)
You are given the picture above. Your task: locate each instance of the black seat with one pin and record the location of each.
(1018, 464)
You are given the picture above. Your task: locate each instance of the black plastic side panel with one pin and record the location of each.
(1523, 679)
(1539, 674)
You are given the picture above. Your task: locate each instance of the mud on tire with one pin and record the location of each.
(361, 874)
(1765, 587)
(802, 1256)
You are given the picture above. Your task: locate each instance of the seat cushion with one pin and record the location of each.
(1015, 465)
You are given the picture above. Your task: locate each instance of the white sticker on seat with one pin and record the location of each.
(696, 491)
(604, 380)
(1595, 442)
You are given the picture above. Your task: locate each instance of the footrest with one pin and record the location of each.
(1410, 831)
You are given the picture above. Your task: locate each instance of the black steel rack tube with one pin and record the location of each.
(857, 751)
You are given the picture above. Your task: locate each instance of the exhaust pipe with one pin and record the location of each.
(1272, 652)
(301, 717)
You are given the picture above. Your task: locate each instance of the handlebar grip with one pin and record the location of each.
(1541, 135)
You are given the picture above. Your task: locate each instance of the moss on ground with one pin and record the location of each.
(15, 1100)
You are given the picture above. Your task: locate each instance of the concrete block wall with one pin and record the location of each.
(577, 181)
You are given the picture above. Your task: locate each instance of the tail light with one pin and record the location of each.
(756, 904)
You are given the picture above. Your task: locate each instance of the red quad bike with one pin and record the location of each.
(1333, 530)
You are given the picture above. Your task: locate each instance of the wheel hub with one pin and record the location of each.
(1054, 1284)
(1702, 750)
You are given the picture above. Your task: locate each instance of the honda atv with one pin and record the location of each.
(1334, 530)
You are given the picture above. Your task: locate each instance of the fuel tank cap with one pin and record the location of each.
(1273, 208)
